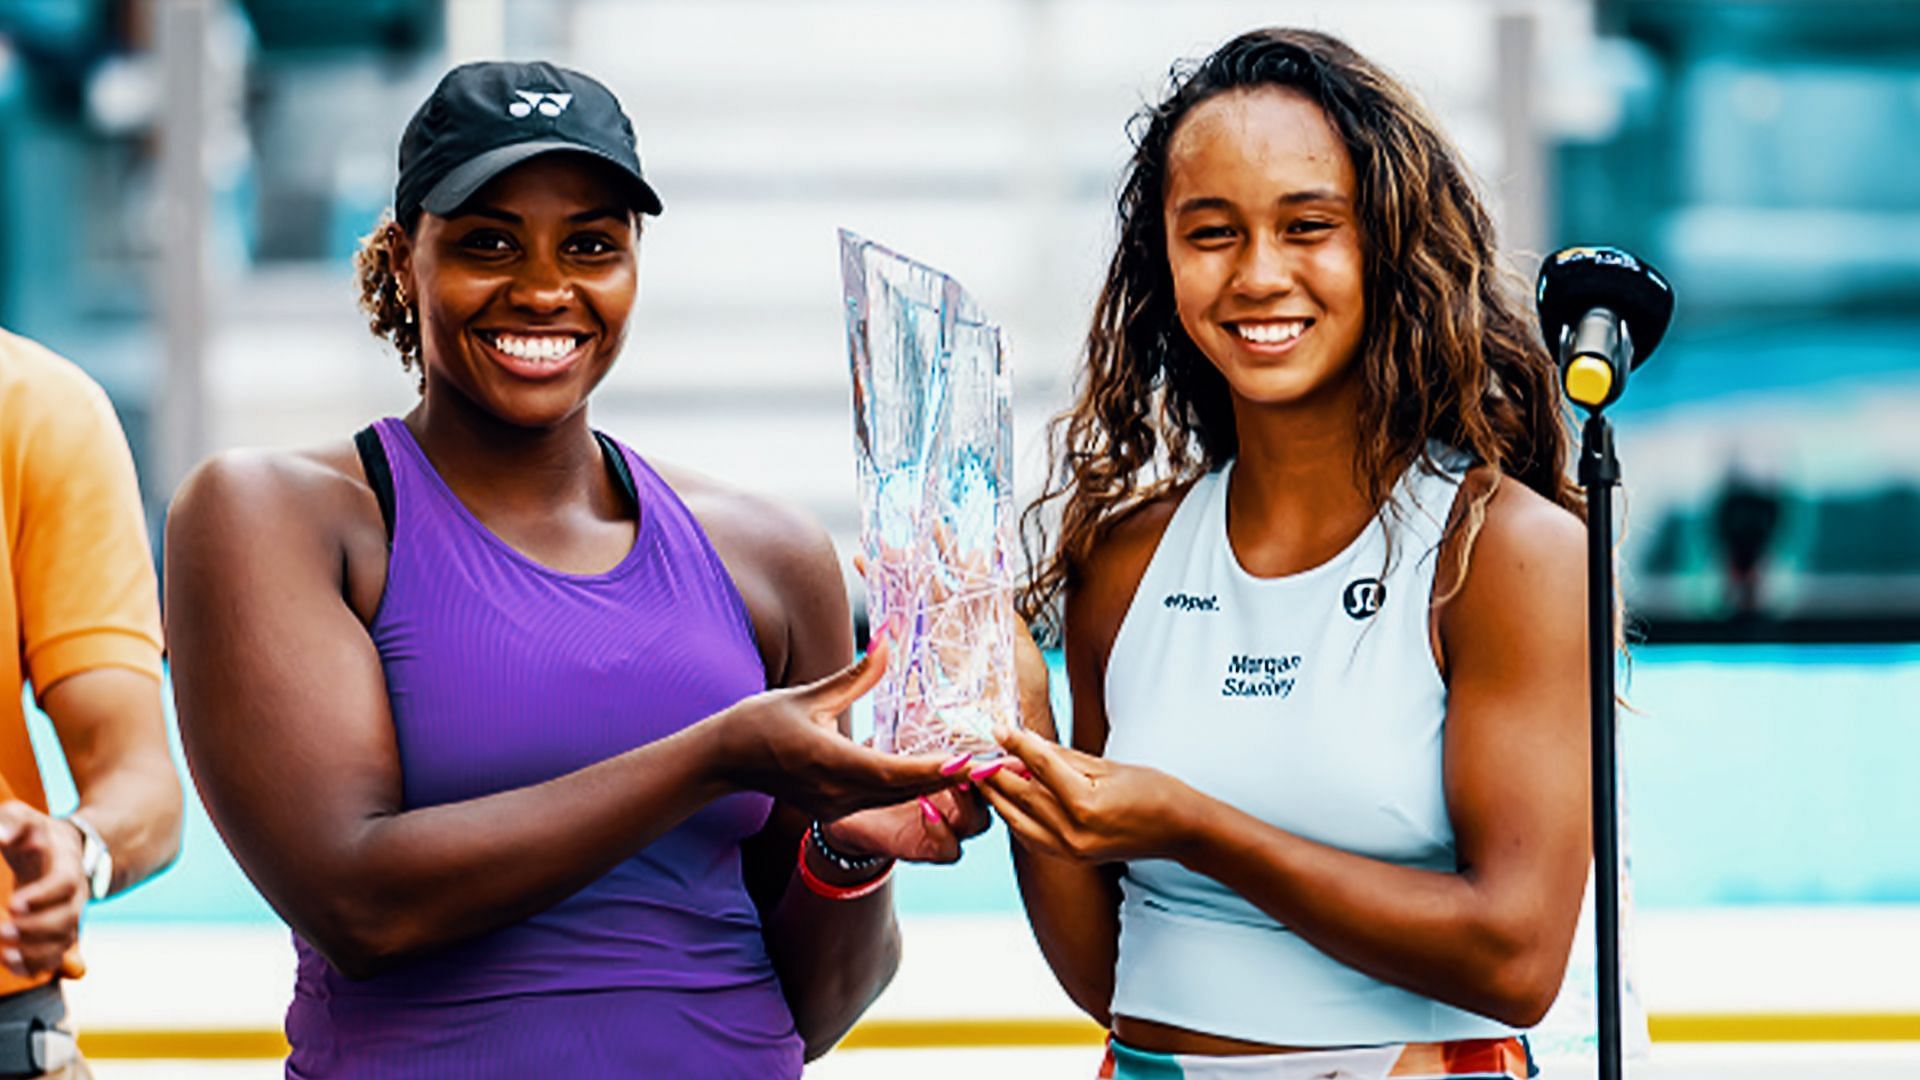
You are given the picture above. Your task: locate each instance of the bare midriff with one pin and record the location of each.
(1168, 1039)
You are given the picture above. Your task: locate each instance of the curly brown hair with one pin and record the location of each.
(1449, 350)
(390, 313)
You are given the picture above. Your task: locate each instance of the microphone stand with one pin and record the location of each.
(1599, 475)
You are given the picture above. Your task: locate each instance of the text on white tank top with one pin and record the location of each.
(1313, 702)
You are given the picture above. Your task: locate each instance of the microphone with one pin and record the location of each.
(1602, 311)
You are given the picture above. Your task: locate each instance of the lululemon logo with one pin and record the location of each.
(532, 101)
(1363, 597)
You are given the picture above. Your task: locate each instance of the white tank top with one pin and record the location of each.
(1313, 702)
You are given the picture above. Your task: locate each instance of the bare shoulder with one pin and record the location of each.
(305, 518)
(276, 488)
(1132, 537)
(1526, 559)
(1525, 527)
(760, 531)
(248, 484)
(1103, 587)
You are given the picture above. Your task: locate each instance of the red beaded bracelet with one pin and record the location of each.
(838, 892)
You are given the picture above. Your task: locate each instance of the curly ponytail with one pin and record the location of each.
(390, 314)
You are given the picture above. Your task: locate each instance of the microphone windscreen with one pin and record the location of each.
(1575, 280)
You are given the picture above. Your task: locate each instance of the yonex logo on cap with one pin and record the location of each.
(487, 117)
(545, 102)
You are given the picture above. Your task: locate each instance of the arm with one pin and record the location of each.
(113, 733)
(90, 622)
(834, 957)
(1073, 906)
(1493, 935)
(283, 711)
(111, 729)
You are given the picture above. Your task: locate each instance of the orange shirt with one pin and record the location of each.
(77, 588)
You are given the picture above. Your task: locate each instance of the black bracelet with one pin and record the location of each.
(849, 863)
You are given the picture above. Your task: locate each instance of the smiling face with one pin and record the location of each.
(1264, 245)
(524, 292)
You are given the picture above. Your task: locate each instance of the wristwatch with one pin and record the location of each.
(96, 862)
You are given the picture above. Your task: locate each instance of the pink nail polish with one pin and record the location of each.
(987, 770)
(954, 764)
(927, 811)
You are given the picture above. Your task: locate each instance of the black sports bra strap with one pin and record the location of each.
(617, 465)
(373, 460)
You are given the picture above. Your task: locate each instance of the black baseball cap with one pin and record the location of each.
(485, 118)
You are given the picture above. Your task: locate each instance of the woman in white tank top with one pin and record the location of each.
(1324, 809)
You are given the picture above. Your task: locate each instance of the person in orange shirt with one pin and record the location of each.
(80, 622)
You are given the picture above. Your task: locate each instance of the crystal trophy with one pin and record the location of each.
(933, 432)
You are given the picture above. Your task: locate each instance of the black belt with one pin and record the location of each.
(30, 1043)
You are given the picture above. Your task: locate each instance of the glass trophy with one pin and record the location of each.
(933, 432)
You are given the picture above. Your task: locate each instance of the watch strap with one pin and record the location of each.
(96, 861)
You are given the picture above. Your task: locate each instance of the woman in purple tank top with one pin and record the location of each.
(540, 752)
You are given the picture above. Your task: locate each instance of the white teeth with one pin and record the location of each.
(535, 347)
(1270, 333)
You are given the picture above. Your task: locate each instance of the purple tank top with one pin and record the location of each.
(503, 673)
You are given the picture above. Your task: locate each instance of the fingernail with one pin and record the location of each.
(927, 811)
(9, 932)
(954, 764)
(984, 771)
(1021, 771)
(11, 957)
(963, 786)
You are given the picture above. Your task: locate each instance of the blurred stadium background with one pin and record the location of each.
(182, 184)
